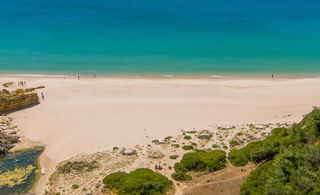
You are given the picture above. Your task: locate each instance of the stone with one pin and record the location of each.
(8, 84)
(128, 152)
(154, 153)
(205, 134)
(15, 100)
(12, 132)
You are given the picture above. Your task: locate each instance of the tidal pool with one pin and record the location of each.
(19, 171)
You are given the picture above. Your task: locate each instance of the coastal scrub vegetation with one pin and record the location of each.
(75, 186)
(77, 166)
(199, 161)
(140, 181)
(237, 158)
(173, 157)
(186, 147)
(291, 160)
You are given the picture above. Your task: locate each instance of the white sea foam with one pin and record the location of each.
(215, 76)
(33, 75)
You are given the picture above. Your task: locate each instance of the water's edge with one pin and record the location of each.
(160, 76)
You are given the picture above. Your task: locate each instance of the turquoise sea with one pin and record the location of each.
(160, 37)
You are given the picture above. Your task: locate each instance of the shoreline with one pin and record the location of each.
(212, 76)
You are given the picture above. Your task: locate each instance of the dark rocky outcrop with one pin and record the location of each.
(15, 100)
(7, 142)
(8, 84)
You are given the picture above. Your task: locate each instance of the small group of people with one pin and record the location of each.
(22, 83)
(158, 167)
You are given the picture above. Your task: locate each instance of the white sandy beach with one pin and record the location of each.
(97, 114)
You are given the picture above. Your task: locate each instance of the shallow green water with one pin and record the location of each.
(19, 171)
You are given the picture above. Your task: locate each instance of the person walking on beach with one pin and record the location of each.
(94, 75)
(272, 77)
(42, 95)
(78, 77)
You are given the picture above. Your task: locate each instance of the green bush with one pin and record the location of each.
(239, 134)
(266, 149)
(237, 158)
(187, 137)
(193, 144)
(181, 176)
(114, 180)
(187, 147)
(168, 138)
(292, 160)
(201, 161)
(225, 147)
(233, 143)
(173, 157)
(75, 186)
(176, 145)
(138, 182)
(155, 141)
(215, 146)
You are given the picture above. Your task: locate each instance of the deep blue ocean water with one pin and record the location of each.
(155, 37)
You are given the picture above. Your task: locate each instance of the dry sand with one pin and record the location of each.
(97, 114)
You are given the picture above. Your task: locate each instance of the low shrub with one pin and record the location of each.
(237, 158)
(181, 176)
(176, 145)
(75, 186)
(187, 147)
(233, 143)
(215, 146)
(187, 137)
(155, 141)
(193, 144)
(239, 134)
(173, 157)
(200, 161)
(140, 181)
(78, 166)
(168, 138)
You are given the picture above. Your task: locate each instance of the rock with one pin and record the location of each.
(12, 132)
(128, 152)
(205, 134)
(7, 142)
(41, 87)
(15, 100)
(43, 171)
(225, 127)
(153, 153)
(8, 84)
(259, 126)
